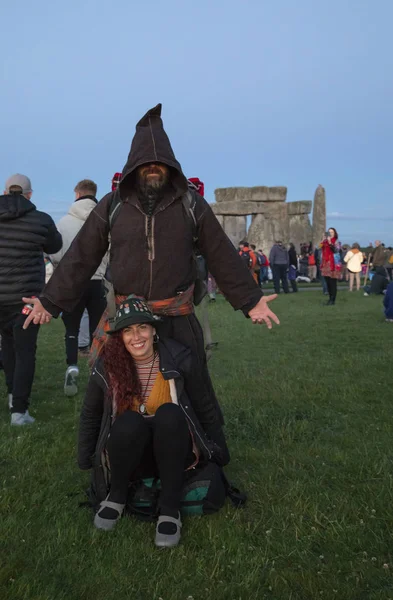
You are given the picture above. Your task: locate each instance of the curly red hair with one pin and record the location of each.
(121, 370)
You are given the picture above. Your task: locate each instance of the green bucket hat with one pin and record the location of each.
(131, 311)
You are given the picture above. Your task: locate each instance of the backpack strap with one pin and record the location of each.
(189, 203)
(237, 497)
(114, 209)
(113, 213)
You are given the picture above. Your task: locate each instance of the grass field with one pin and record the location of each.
(308, 410)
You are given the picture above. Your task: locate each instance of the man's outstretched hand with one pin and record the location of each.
(261, 313)
(39, 316)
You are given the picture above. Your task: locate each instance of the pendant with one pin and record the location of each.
(142, 409)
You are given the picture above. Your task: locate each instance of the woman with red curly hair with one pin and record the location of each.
(138, 420)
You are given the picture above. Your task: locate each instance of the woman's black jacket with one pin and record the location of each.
(96, 416)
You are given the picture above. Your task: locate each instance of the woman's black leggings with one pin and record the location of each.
(140, 445)
(331, 283)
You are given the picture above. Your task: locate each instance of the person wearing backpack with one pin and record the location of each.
(153, 249)
(263, 263)
(247, 255)
(279, 261)
(142, 417)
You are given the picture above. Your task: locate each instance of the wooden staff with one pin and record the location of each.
(367, 270)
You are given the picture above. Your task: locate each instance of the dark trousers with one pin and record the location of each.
(280, 273)
(294, 285)
(262, 276)
(187, 331)
(19, 349)
(155, 446)
(94, 301)
(331, 283)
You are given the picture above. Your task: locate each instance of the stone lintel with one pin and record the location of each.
(251, 194)
(238, 208)
(301, 207)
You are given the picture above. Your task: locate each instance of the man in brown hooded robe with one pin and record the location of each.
(152, 256)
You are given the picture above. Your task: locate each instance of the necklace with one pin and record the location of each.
(148, 363)
(142, 406)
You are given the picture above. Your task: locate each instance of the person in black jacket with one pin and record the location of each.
(25, 234)
(142, 414)
(292, 275)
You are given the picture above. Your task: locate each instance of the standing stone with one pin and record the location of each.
(220, 219)
(319, 216)
(260, 232)
(235, 228)
(272, 226)
(300, 230)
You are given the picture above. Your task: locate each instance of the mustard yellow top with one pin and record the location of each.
(160, 394)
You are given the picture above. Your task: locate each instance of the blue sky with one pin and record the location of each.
(289, 92)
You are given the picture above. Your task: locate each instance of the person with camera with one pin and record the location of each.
(331, 267)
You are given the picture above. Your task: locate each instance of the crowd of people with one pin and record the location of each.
(328, 263)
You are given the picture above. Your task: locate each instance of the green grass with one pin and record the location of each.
(308, 410)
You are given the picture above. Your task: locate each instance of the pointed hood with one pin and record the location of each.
(151, 144)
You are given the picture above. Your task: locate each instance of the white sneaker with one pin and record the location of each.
(21, 419)
(10, 401)
(70, 383)
(29, 418)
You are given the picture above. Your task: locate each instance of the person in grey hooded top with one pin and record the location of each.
(93, 298)
(279, 262)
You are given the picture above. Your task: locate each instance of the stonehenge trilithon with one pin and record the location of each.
(272, 218)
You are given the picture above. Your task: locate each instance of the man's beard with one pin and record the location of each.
(152, 185)
(150, 190)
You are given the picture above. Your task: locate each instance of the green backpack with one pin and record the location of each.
(204, 493)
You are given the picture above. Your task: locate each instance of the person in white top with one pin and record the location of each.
(93, 298)
(354, 259)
